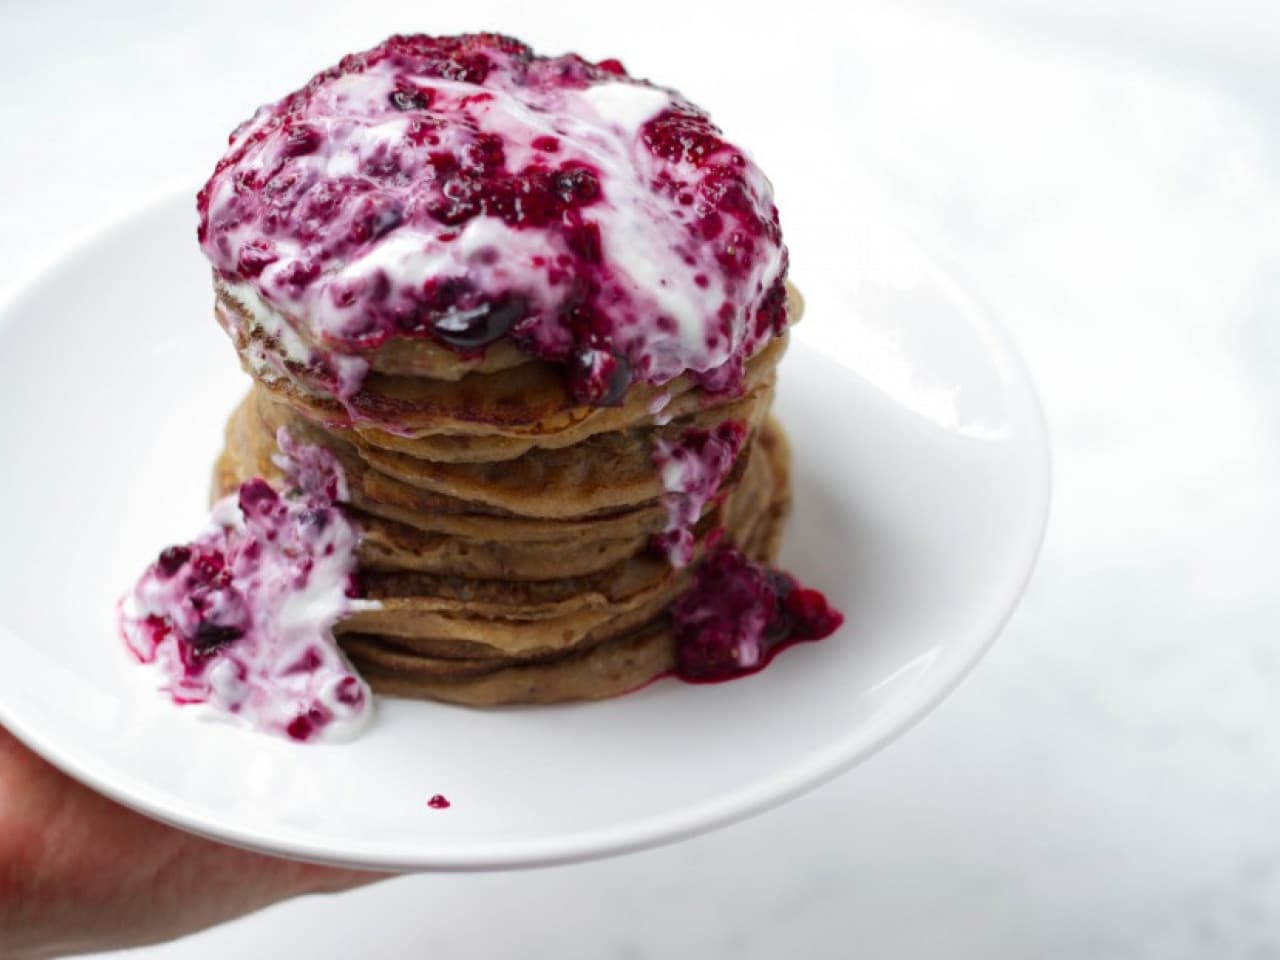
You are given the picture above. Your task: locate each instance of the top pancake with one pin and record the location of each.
(529, 402)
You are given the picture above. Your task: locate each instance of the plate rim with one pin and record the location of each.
(888, 723)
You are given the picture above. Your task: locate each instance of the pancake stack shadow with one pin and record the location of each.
(507, 531)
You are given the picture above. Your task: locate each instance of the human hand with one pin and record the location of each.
(80, 873)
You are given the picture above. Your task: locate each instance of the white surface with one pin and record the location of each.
(919, 510)
(1106, 783)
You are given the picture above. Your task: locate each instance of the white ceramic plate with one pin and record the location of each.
(921, 485)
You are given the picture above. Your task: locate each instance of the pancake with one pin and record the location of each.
(445, 618)
(504, 611)
(593, 673)
(606, 472)
(530, 401)
(251, 446)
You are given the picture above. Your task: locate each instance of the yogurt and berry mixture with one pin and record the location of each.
(462, 189)
(693, 468)
(241, 618)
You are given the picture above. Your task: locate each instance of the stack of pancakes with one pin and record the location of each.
(507, 530)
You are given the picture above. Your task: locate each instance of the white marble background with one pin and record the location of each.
(1107, 783)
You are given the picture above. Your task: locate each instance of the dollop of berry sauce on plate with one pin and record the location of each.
(240, 619)
(463, 189)
(737, 615)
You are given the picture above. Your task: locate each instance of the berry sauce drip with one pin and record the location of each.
(462, 189)
(240, 619)
(439, 802)
(737, 615)
(693, 467)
